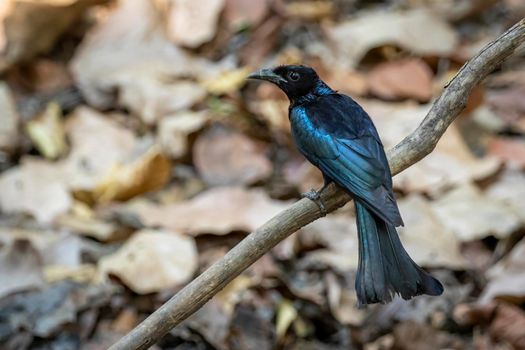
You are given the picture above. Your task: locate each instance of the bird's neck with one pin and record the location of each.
(320, 89)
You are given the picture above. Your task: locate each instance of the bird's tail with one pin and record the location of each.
(385, 268)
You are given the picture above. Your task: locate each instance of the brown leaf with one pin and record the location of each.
(471, 215)
(226, 157)
(191, 23)
(20, 267)
(226, 82)
(508, 325)
(239, 14)
(49, 20)
(35, 187)
(152, 261)
(510, 189)
(174, 131)
(417, 31)
(451, 163)
(507, 277)
(9, 119)
(148, 173)
(429, 243)
(508, 150)
(416, 336)
(240, 210)
(408, 78)
(128, 60)
(97, 144)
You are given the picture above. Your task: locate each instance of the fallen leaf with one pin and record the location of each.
(226, 82)
(44, 313)
(128, 60)
(226, 157)
(428, 242)
(510, 189)
(91, 226)
(50, 19)
(471, 215)
(451, 163)
(309, 10)
(9, 119)
(417, 31)
(148, 173)
(339, 235)
(35, 187)
(286, 315)
(191, 23)
(507, 278)
(239, 14)
(97, 144)
(152, 260)
(84, 273)
(505, 321)
(126, 320)
(509, 150)
(240, 210)
(416, 336)
(342, 302)
(174, 131)
(407, 78)
(20, 268)
(47, 132)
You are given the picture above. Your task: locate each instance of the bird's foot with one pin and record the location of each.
(315, 197)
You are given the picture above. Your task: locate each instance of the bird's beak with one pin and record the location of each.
(268, 75)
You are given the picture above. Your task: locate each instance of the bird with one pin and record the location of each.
(335, 134)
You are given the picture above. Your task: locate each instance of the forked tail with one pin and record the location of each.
(385, 268)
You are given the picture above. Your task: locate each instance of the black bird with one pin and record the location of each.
(336, 135)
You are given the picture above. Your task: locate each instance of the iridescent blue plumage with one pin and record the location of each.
(335, 134)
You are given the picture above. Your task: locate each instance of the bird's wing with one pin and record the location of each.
(344, 144)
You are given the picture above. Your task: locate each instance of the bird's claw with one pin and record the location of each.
(315, 197)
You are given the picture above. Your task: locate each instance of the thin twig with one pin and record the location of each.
(409, 151)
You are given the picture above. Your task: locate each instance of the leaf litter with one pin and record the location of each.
(133, 154)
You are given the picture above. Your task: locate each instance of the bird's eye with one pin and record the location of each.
(294, 76)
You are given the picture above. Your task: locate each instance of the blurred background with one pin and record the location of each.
(133, 154)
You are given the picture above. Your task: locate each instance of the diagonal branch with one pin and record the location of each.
(409, 151)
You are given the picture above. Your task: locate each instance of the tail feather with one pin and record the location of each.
(385, 268)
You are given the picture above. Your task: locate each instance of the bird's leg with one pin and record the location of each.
(315, 196)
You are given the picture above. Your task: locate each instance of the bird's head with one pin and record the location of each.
(295, 81)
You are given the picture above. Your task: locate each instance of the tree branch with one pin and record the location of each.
(409, 151)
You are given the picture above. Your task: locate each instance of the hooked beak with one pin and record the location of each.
(268, 75)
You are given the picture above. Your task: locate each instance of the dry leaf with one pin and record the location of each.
(148, 173)
(226, 157)
(226, 82)
(309, 9)
(9, 119)
(510, 150)
(507, 278)
(152, 261)
(450, 163)
(286, 315)
(49, 19)
(417, 31)
(97, 144)
(191, 23)
(510, 189)
(427, 241)
(408, 78)
(174, 131)
(47, 132)
(239, 14)
(20, 267)
(218, 211)
(128, 60)
(85, 273)
(35, 187)
(471, 215)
